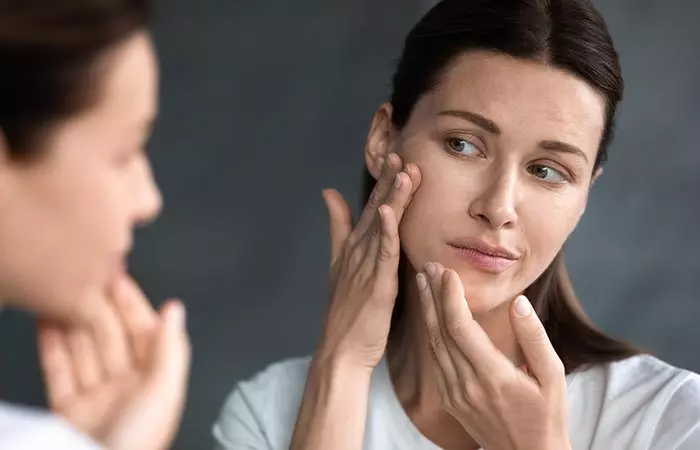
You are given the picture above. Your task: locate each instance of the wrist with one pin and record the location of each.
(341, 358)
(335, 365)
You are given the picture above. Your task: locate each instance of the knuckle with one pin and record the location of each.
(366, 282)
(406, 187)
(558, 368)
(437, 342)
(471, 394)
(350, 243)
(497, 384)
(456, 326)
(374, 198)
(357, 256)
(376, 230)
(536, 333)
(388, 252)
(455, 397)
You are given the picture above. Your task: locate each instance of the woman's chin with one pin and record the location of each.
(484, 296)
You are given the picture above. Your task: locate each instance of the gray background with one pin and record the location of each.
(265, 103)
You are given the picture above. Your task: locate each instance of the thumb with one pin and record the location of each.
(542, 359)
(340, 219)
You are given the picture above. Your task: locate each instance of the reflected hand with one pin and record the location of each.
(121, 380)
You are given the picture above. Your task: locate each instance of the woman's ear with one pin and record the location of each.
(379, 140)
(4, 151)
(598, 172)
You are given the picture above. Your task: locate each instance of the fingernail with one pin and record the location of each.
(446, 276)
(177, 309)
(422, 282)
(397, 181)
(522, 306)
(430, 268)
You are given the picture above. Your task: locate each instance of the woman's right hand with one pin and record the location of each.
(122, 378)
(364, 267)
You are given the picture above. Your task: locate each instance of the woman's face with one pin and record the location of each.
(66, 220)
(506, 149)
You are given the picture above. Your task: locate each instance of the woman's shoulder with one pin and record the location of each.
(261, 411)
(641, 372)
(641, 400)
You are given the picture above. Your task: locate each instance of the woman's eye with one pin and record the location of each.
(547, 173)
(462, 146)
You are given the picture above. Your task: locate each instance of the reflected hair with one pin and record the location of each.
(50, 53)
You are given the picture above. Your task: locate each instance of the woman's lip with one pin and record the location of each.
(483, 261)
(484, 247)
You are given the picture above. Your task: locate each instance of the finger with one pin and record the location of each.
(340, 219)
(401, 194)
(389, 247)
(415, 175)
(455, 320)
(379, 194)
(87, 366)
(110, 339)
(55, 361)
(542, 359)
(167, 380)
(382, 246)
(431, 319)
(172, 346)
(435, 274)
(137, 316)
(472, 341)
(399, 197)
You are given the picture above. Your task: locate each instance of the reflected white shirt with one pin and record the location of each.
(24, 428)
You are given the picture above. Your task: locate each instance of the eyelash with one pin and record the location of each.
(566, 174)
(451, 139)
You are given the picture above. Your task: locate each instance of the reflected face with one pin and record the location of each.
(66, 220)
(506, 149)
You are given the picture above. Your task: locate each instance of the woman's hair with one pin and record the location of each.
(567, 34)
(50, 55)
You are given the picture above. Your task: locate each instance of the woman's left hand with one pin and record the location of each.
(501, 406)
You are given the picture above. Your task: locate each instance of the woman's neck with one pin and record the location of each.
(413, 373)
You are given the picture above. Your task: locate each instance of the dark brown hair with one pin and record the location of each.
(567, 34)
(49, 50)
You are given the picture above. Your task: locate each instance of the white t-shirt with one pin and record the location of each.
(23, 428)
(640, 403)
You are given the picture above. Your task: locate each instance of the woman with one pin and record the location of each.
(498, 125)
(78, 94)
